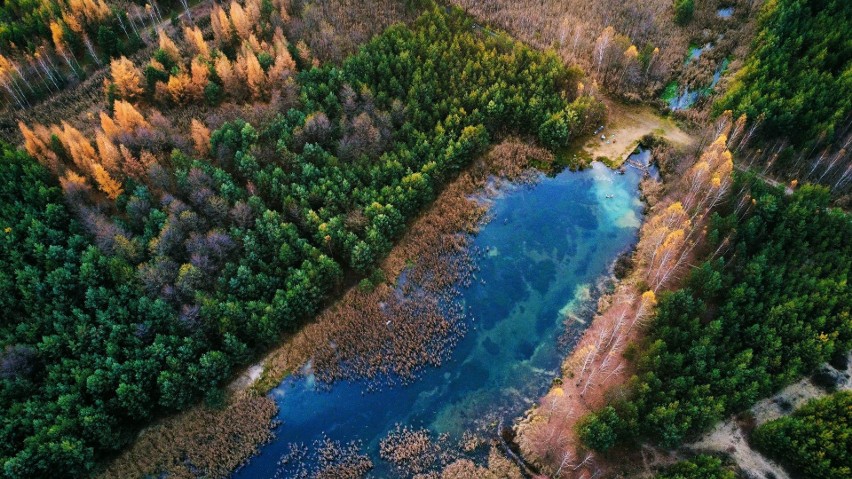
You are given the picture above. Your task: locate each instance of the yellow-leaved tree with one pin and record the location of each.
(106, 183)
(126, 78)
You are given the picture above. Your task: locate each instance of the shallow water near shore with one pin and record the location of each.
(538, 258)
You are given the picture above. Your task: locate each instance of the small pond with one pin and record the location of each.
(726, 12)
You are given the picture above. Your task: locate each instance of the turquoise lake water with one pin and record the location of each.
(542, 253)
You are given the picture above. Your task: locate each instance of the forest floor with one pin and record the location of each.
(625, 127)
(731, 436)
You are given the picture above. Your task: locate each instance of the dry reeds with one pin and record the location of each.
(400, 327)
(200, 442)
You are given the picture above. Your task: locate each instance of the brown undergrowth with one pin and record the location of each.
(388, 330)
(334, 29)
(201, 442)
(599, 368)
(414, 453)
(399, 327)
(633, 49)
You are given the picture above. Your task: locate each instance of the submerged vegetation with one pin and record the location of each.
(671, 233)
(278, 215)
(198, 182)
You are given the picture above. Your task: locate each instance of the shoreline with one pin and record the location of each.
(456, 212)
(180, 445)
(598, 366)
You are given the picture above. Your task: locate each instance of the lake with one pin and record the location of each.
(539, 258)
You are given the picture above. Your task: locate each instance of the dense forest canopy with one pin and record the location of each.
(144, 259)
(748, 322)
(69, 320)
(133, 327)
(798, 78)
(700, 467)
(815, 441)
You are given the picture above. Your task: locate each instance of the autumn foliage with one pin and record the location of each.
(597, 365)
(225, 253)
(633, 49)
(246, 59)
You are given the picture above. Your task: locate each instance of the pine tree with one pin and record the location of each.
(221, 25)
(180, 88)
(106, 183)
(109, 155)
(230, 81)
(240, 20)
(74, 185)
(127, 117)
(199, 75)
(168, 46)
(255, 76)
(108, 125)
(78, 146)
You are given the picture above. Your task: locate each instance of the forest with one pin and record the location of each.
(701, 467)
(128, 327)
(48, 46)
(797, 77)
(746, 317)
(796, 87)
(790, 62)
(747, 322)
(184, 186)
(815, 440)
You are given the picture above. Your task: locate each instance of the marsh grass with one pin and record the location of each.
(349, 339)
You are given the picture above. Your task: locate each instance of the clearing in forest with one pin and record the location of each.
(625, 127)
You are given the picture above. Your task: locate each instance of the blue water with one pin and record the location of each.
(695, 53)
(684, 100)
(726, 12)
(717, 74)
(540, 257)
(688, 97)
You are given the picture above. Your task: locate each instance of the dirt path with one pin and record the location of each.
(729, 437)
(787, 189)
(626, 125)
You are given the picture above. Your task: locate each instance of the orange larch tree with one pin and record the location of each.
(126, 78)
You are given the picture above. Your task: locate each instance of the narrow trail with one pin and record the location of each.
(730, 438)
(777, 184)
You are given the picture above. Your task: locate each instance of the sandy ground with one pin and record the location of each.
(626, 125)
(729, 437)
